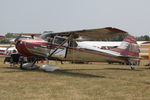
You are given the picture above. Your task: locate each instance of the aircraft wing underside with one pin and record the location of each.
(90, 34)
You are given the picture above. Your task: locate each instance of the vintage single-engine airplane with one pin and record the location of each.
(65, 46)
(6, 52)
(5, 49)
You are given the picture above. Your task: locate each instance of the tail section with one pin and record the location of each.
(128, 47)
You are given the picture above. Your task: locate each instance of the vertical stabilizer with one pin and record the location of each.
(128, 47)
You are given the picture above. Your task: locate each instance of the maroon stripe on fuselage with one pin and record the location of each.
(1, 53)
(2, 50)
(126, 52)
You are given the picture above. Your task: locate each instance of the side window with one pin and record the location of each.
(50, 40)
(58, 40)
(73, 45)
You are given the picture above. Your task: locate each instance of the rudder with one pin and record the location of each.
(128, 47)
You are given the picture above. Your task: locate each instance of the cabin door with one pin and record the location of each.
(61, 52)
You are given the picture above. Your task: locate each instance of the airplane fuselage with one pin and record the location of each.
(78, 52)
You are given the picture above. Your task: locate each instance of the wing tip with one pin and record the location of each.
(115, 29)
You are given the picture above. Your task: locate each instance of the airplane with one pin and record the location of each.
(65, 46)
(4, 52)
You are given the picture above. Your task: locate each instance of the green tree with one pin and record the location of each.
(47, 31)
(4, 41)
(143, 38)
(10, 35)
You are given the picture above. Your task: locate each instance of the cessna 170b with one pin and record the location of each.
(65, 46)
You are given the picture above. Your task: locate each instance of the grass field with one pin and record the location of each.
(98, 81)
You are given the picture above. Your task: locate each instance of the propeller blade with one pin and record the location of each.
(17, 38)
(13, 42)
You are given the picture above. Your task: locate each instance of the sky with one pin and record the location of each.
(27, 16)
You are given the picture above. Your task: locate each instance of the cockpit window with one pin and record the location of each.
(18, 42)
(59, 40)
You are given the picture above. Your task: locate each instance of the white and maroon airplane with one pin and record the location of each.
(64, 46)
(6, 52)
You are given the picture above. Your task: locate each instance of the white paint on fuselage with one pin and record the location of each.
(85, 45)
(100, 44)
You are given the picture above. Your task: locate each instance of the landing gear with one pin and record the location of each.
(28, 66)
(132, 68)
(131, 65)
(32, 66)
(49, 68)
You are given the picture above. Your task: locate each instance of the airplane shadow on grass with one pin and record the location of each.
(71, 72)
(121, 69)
(67, 72)
(14, 69)
(75, 73)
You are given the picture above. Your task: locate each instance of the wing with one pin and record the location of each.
(28, 34)
(31, 34)
(90, 34)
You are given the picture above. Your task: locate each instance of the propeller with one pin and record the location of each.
(13, 42)
(17, 38)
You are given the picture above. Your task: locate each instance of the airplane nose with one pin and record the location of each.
(20, 47)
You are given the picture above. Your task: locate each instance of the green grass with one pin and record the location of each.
(98, 81)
